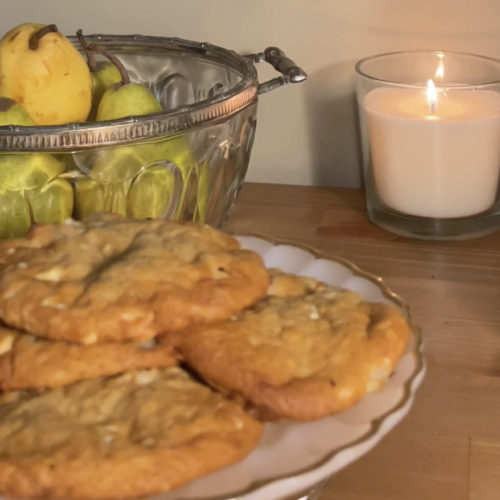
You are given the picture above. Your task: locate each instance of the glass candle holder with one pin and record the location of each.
(430, 132)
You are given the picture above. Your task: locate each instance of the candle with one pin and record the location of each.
(434, 153)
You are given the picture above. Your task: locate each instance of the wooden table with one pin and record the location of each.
(448, 447)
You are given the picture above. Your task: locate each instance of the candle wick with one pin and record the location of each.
(433, 107)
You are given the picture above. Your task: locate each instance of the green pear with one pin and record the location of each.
(103, 73)
(124, 98)
(52, 203)
(176, 150)
(130, 99)
(15, 217)
(116, 163)
(22, 179)
(22, 171)
(12, 113)
(103, 78)
(114, 169)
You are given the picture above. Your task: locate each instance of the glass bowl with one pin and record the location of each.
(187, 162)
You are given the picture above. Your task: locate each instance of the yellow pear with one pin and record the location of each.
(41, 70)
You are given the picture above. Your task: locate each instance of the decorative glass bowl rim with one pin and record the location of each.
(77, 136)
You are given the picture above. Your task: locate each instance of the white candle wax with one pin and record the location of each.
(439, 163)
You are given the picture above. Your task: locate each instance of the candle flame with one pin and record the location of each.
(432, 98)
(439, 74)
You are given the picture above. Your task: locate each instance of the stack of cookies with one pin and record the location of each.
(138, 355)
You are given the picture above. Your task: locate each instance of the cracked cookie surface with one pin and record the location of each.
(113, 279)
(30, 362)
(305, 351)
(127, 436)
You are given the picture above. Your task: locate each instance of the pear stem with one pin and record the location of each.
(121, 68)
(37, 35)
(90, 57)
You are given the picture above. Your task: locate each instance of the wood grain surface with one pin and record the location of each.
(448, 447)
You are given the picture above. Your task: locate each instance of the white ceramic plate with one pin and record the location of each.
(292, 457)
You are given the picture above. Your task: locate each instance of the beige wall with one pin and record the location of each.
(306, 133)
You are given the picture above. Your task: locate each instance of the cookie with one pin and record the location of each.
(114, 279)
(300, 356)
(285, 284)
(28, 362)
(127, 436)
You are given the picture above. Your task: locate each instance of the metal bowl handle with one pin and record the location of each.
(290, 72)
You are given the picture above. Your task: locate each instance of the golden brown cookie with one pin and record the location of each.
(127, 436)
(29, 362)
(299, 356)
(113, 279)
(285, 284)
